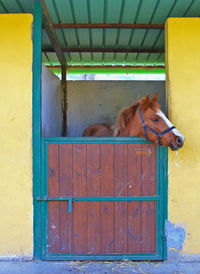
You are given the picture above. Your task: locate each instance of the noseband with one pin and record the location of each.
(145, 126)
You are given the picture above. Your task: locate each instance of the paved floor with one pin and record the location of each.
(176, 264)
(38, 267)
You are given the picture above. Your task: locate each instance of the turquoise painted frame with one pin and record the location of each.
(40, 222)
(36, 121)
(161, 248)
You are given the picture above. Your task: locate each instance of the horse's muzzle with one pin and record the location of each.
(173, 147)
(179, 141)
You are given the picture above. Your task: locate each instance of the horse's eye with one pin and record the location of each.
(155, 120)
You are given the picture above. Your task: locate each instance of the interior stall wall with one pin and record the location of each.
(51, 104)
(92, 102)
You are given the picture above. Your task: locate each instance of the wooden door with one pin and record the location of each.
(103, 200)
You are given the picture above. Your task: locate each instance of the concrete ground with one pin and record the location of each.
(176, 264)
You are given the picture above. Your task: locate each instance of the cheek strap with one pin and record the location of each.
(159, 134)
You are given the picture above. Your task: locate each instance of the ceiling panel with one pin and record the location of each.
(96, 17)
(108, 11)
(130, 59)
(3, 8)
(150, 38)
(146, 10)
(12, 6)
(194, 9)
(137, 38)
(97, 58)
(130, 11)
(152, 58)
(163, 11)
(120, 58)
(52, 10)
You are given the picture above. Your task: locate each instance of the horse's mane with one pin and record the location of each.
(124, 117)
(128, 113)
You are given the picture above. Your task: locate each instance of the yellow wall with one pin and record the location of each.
(16, 210)
(183, 87)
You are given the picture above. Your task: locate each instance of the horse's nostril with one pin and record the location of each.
(179, 141)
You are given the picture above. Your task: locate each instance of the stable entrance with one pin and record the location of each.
(94, 198)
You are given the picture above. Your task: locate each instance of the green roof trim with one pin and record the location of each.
(110, 70)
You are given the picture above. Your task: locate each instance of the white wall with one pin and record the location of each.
(91, 102)
(51, 104)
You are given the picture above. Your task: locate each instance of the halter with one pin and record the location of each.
(145, 126)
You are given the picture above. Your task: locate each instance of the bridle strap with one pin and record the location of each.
(145, 126)
(167, 130)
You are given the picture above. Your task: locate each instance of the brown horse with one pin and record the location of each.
(143, 119)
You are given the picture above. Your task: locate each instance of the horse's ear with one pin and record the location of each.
(145, 102)
(155, 98)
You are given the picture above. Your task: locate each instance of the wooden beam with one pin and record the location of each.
(52, 35)
(107, 50)
(108, 26)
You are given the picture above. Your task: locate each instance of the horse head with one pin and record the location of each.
(145, 119)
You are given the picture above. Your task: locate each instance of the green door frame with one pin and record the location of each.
(39, 149)
(36, 99)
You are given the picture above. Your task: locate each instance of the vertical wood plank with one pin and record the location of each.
(120, 189)
(65, 180)
(79, 189)
(134, 207)
(53, 207)
(93, 170)
(93, 189)
(107, 189)
(148, 207)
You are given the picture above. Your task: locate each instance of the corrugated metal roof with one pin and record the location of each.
(108, 11)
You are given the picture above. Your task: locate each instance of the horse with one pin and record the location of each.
(143, 118)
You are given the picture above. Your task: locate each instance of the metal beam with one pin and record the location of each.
(64, 99)
(109, 26)
(107, 50)
(52, 35)
(59, 52)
